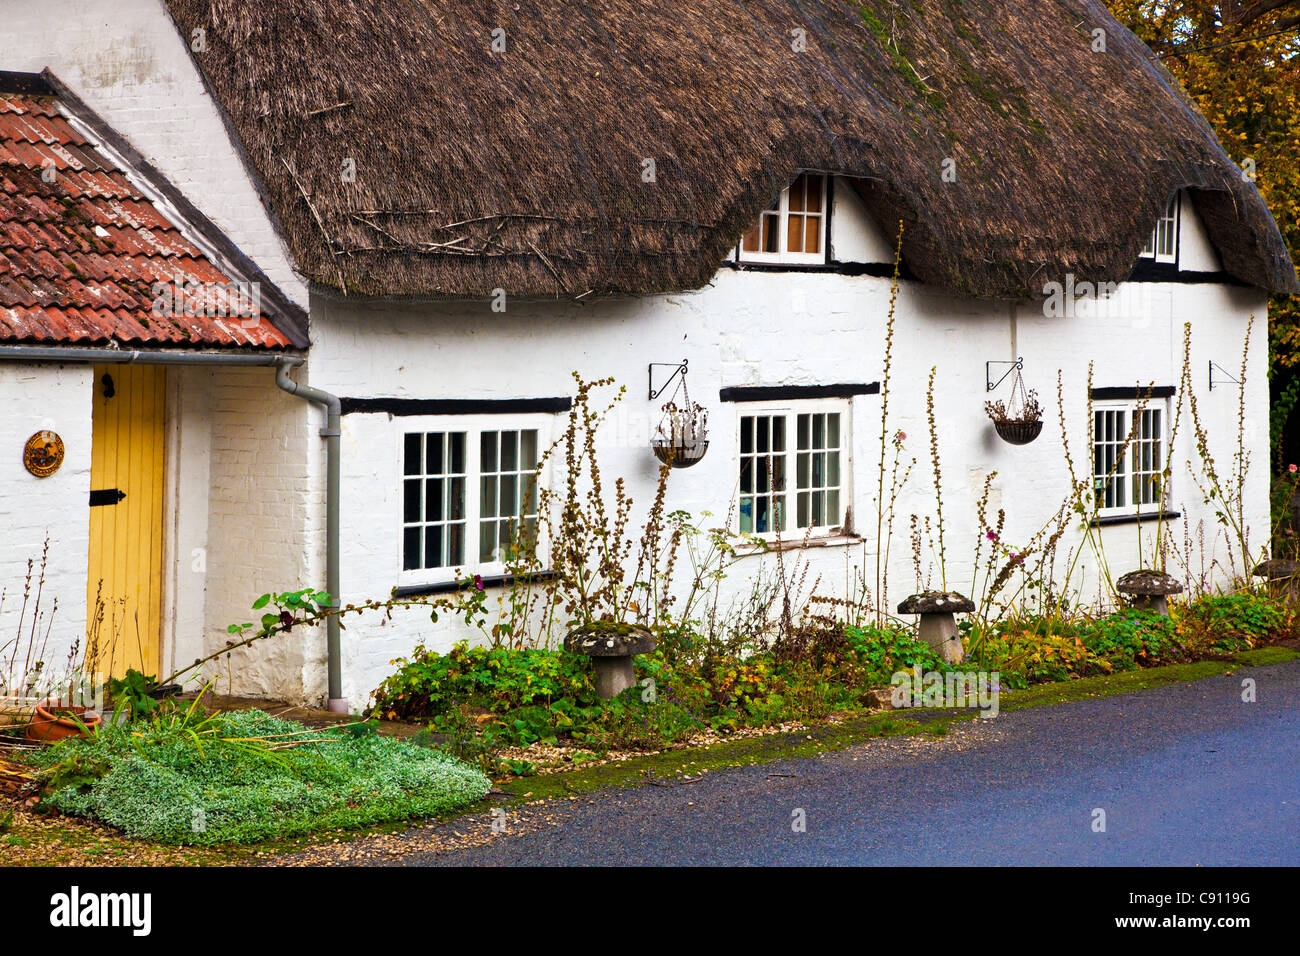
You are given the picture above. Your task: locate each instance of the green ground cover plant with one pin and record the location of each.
(246, 777)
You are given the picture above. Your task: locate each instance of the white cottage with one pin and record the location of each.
(449, 208)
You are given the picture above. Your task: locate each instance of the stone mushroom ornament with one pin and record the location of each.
(938, 627)
(1148, 590)
(1281, 574)
(611, 648)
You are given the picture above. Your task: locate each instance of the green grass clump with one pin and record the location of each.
(160, 781)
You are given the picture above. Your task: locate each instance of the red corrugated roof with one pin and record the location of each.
(81, 250)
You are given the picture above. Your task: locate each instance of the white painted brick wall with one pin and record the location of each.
(765, 329)
(262, 501)
(34, 510)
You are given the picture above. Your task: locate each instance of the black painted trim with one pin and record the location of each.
(1108, 520)
(1131, 392)
(881, 270)
(1147, 270)
(492, 581)
(455, 406)
(778, 393)
(33, 84)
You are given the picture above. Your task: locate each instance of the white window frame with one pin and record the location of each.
(782, 208)
(1169, 219)
(791, 410)
(1133, 453)
(473, 426)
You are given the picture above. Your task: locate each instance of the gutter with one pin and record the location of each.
(331, 433)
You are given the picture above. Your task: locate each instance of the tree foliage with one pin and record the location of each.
(1240, 62)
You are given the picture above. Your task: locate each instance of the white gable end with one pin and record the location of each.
(1195, 251)
(855, 234)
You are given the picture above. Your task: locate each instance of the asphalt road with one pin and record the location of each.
(1186, 774)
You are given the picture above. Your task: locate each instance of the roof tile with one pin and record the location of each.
(81, 249)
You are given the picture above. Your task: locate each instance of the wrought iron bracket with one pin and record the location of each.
(989, 384)
(677, 367)
(1224, 377)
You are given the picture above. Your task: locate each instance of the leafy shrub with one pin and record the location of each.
(501, 678)
(1231, 622)
(1027, 656)
(884, 651)
(167, 784)
(1131, 638)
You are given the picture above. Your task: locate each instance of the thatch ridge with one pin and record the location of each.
(523, 170)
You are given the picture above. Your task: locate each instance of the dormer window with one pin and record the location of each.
(1163, 244)
(794, 228)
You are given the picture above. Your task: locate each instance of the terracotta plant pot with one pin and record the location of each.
(49, 726)
(1018, 433)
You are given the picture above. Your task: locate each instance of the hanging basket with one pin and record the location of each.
(679, 454)
(1018, 433)
(1019, 421)
(682, 436)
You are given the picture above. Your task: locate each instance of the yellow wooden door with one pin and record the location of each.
(124, 584)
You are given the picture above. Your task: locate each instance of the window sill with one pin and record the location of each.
(796, 544)
(489, 581)
(1107, 520)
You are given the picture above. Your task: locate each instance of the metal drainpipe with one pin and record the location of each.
(331, 433)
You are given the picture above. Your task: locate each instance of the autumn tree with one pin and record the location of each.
(1240, 62)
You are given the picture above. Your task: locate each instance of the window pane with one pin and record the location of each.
(812, 234)
(509, 451)
(814, 186)
(487, 502)
(778, 433)
(486, 540)
(433, 546)
(456, 498)
(797, 194)
(803, 441)
(455, 544)
(457, 452)
(434, 464)
(434, 500)
(411, 455)
(528, 449)
(410, 549)
(411, 500)
(771, 231)
(509, 495)
(794, 234)
(746, 434)
(487, 451)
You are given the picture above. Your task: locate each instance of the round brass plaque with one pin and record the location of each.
(43, 454)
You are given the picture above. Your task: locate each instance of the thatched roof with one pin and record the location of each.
(523, 170)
